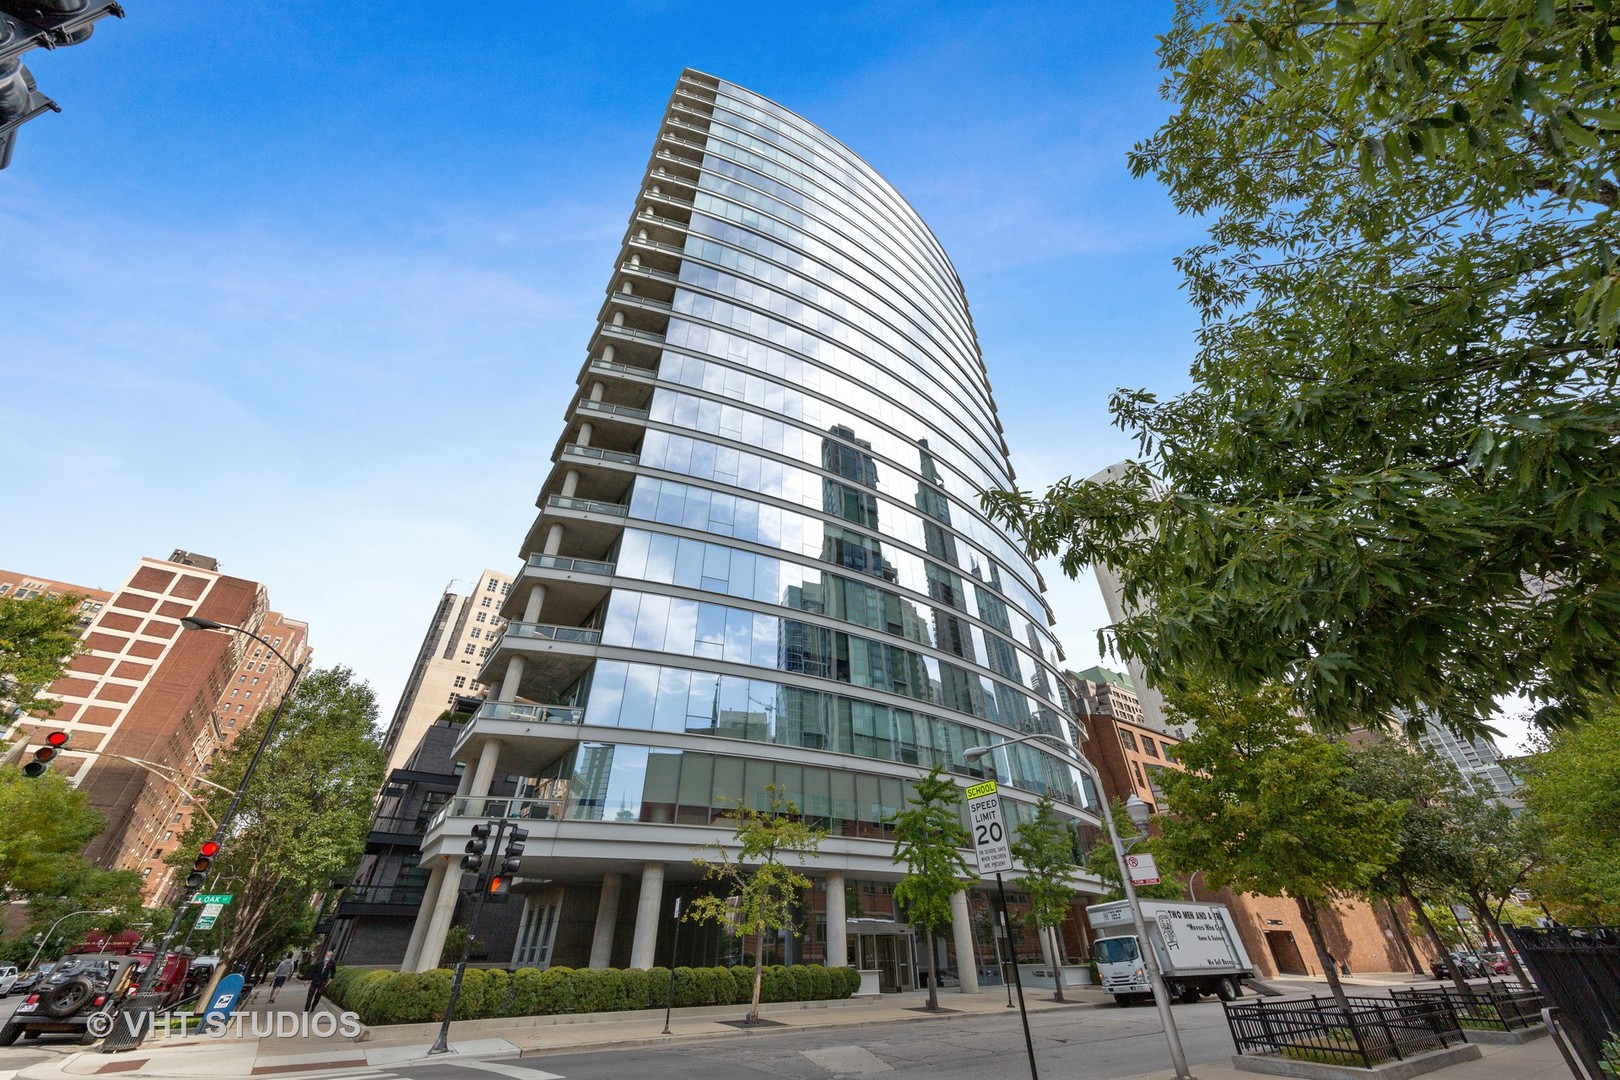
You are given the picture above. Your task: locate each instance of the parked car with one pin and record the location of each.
(1467, 963)
(81, 986)
(8, 978)
(30, 979)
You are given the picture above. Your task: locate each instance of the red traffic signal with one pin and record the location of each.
(199, 868)
(54, 741)
(209, 848)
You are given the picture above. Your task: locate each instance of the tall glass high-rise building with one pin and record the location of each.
(759, 560)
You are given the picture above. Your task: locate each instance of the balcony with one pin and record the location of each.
(550, 809)
(528, 713)
(572, 566)
(596, 453)
(628, 411)
(575, 635)
(380, 900)
(404, 830)
(630, 371)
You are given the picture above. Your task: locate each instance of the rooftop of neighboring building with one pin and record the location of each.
(1101, 674)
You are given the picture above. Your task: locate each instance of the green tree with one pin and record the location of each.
(303, 818)
(1045, 845)
(1392, 483)
(929, 838)
(38, 636)
(1572, 801)
(44, 824)
(1491, 853)
(759, 891)
(1265, 806)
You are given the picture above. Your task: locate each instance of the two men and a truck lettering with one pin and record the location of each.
(1197, 947)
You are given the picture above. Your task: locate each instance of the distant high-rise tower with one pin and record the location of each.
(759, 559)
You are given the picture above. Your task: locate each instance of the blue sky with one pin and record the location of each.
(305, 286)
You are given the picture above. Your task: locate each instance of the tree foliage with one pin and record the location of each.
(1045, 845)
(303, 818)
(759, 891)
(929, 838)
(1392, 483)
(1572, 795)
(38, 636)
(1265, 806)
(1101, 862)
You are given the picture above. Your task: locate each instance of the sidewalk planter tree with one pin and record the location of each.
(757, 890)
(1265, 806)
(928, 838)
(1045, 846)
(1572, 795)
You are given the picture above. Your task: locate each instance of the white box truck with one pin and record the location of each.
(1197, 946)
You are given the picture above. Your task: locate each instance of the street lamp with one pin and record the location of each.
(46, 939)
(1139, 813)
(222, 830)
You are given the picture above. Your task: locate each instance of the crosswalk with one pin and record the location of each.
(410, 1070)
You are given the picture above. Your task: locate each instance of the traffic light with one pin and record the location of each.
(499, 886)
(199, 868)
(474, 859)
(54, 741)
(511, 863)
(34, 24)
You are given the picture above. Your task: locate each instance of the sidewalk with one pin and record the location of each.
(1537, 1060)
(246, 1056)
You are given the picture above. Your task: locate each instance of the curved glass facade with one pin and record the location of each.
(764, 508)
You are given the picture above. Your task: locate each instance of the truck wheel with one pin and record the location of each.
(9, 1033)
(1228, 989)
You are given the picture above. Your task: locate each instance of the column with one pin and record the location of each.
(430, 900)
(585, 432)
(531, 610)
(444, 912)
(644, 945)
(837, 922)
(967, 960)
(607, 917)
(570, 483)
(554, 537)
(514, 675)
(484, 775)
(596, 387)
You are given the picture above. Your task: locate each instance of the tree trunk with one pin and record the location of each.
(1405, 938)
(1440, 946)
(1307, 911)
(1487, 917)
(759, 976)
(933, 973)
(1057, 963)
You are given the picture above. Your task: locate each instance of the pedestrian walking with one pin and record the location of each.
(283, 972)
(319, 976)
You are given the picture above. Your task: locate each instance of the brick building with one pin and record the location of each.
(148, 707)
(1130, 754)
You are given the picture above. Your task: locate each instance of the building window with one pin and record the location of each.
(486, 602)
(241, 678)
(484, 651)
(245, 694)
(477, 633)
(461, 681)
(481, 616)
(233, 693)
(470, 649)
(1149, 748)
(5, 587)
(255, 681)
(490, 587)
(506, 589)
(1127, 740)
(263, 666)
(169, 835)
(1140, 780)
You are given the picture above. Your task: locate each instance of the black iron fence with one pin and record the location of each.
(1495, 1006)
(1578, 970)
(1372, 1031)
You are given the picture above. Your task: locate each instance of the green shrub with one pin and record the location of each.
(656, 987)
(743, 974)
(846, 980)
(526, 995)
(776, 984)
(557, 994)
(816, 982)
(690, 988)
(408, 998)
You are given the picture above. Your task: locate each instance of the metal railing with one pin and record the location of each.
(563, 562)
(617, 368)
(588, 506)
(1374, 1030)
(1578, 969)
(1498, 1007)
(637, 270)
(383, 894)
(524, 712)
(578, 635)
(659, 245)
(614, 410)
(400, 824)
(631, 332)
(575, 450)
(474, 806)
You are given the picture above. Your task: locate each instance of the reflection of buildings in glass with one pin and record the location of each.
(773, 608)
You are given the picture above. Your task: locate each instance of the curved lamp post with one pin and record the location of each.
(222, 830)
(1139, 813)
(46, 939)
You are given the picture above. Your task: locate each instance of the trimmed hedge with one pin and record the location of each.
(390, 997)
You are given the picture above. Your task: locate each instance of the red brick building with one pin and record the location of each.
(148, 706)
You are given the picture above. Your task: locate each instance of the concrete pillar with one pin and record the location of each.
(644, 946)
(627, 290)
(584, 436)
(570, 483)
(444, 911)
(618, 318)
(531, 613)
(424, 915)
(596, 387)
(607, 917)
(488, 758)
(607, 350)
(635, 260)
(554, 537)
(837, 922)
(509, 681)
(967, 961)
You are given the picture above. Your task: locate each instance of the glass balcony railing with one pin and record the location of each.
(620, 369)
(578, 635)
(528, 713)
(581, 566)
(658, 245)
(588, 506)
(575, 450)
(406, 895)
(474, 806)
(637, 270)
(629, 332)
(613, 410)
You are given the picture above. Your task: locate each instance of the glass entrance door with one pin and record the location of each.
(888, 954)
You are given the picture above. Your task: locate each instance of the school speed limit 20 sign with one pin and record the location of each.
(990, 840)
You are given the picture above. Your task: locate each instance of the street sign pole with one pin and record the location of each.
(674, 955)
(990, 844)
